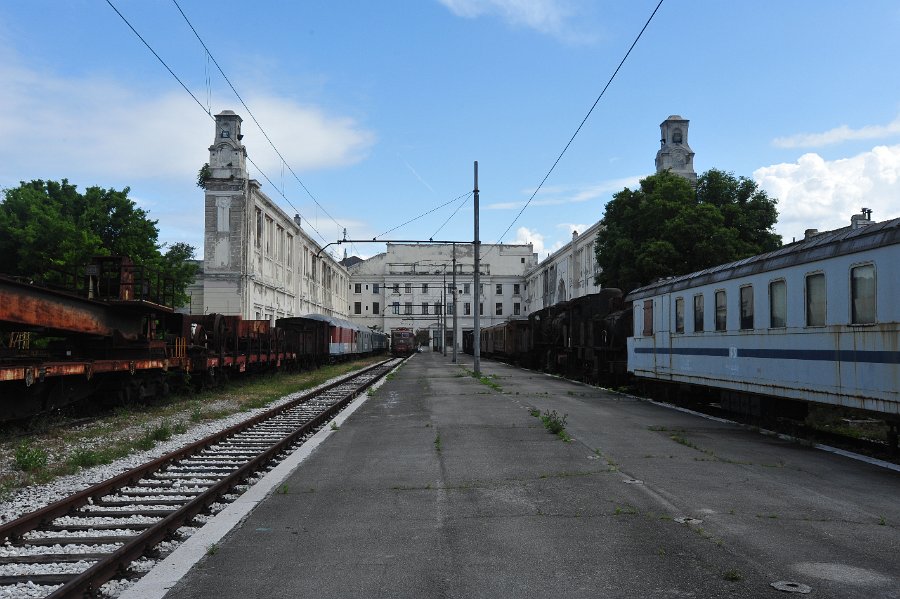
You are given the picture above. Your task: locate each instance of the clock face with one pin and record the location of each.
(679, 157)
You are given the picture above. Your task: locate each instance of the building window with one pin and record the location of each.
(424, 287)
(679, 314)
(499, 289)
(517, 309)
(409, 288)
(466, 289)
(450, 308)
(467, 309)
(481, 308)
(648, 317)
(375, 307)
(407, 308)
(815, 300)
(862, 294)
(375, 288)
(721, 311)
(747, 307)
(259, 228)
(516, 287)
(498, 308)
(777, 304)
(698, 313)
(396, 287)
(437, 307)
(481, 288)
(357, 307)
(636, 318)
(357, 288)
(424, 307)
(396, 307)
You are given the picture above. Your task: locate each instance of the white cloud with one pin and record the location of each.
(814, 193)
(572, 227)
(537, 241)
(838, 135)
(91, 126)
(552, 17)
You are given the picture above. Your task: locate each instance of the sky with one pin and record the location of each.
(380, 109)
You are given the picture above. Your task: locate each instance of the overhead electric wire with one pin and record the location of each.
(583, 121)
(247, 108)
(426, 214)
(205, 109)
(463, 203)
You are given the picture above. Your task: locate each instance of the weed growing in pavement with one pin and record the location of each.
(30, 459)
(556, 424)
(437, 442)
(212, 549)
(733, 575)
(627, 510)
(485, 379)
(283, 489)
(882, 521)
(334, 426)
(535, 412)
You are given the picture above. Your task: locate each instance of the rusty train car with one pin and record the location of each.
(583, 338)
(113, 335)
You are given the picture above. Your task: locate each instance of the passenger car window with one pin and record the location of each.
(777, 304)
(815, 300)
(862, 294)
(648, 317)
(747, 307)
(698, 313)
(721, 311)
(679, 314)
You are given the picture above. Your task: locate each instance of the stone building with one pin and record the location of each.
(258, 262)
(410, 286)
(565, 274)
(674, 153)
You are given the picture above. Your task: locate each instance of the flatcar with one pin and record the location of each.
(402, 342)
(814, 321)
(112, 335)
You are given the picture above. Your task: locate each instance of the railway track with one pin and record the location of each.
(73, 546)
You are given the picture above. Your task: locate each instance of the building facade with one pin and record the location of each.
(258, 262)
(567, 273)
(411, 286)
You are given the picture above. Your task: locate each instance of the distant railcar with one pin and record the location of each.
(402, 342)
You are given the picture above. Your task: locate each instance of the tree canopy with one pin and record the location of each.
(668, 228)
(48, 228)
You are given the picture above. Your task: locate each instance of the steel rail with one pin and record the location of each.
(134, 547)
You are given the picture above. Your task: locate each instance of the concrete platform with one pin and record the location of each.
(442, 486)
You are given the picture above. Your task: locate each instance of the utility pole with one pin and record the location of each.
(444, 312)
(454, 303)
(476, 342)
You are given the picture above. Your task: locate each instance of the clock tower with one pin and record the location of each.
(674, 153)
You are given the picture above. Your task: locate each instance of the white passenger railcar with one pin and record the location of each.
(814, 321)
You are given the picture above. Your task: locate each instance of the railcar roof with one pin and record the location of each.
(336, 321)
(822, 246)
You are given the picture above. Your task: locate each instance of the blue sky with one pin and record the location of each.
(381, 107)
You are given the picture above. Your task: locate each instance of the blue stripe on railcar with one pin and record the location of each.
(820, 355)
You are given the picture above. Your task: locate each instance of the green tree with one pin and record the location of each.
(668, 228)
(48, 228)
